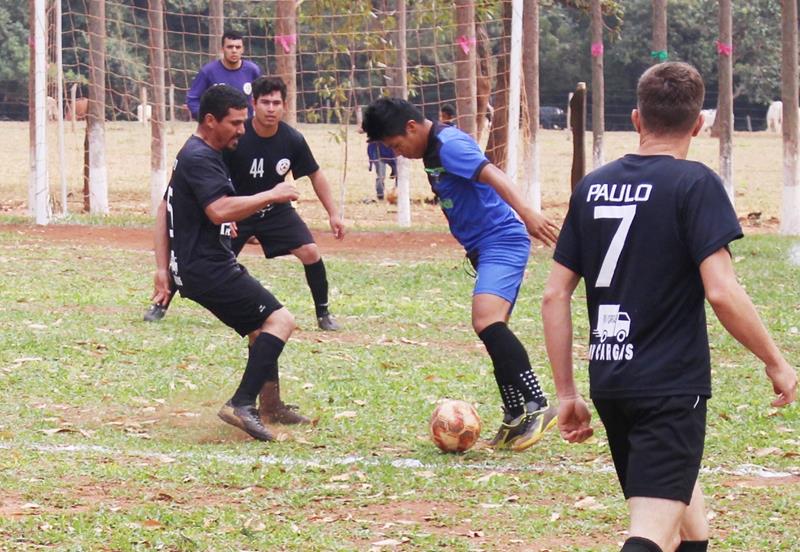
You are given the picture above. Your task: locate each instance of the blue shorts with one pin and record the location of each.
(500, 268)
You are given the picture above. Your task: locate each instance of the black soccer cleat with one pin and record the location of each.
(328, 323)
(155, 313)
(247, 419)
(527, 429)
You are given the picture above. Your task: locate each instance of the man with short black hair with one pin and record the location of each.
(650, 234)
(232, 69)
(266, 153)
(447, 115)
(489, 217)
(193, 251)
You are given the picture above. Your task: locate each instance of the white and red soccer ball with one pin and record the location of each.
(455, 426)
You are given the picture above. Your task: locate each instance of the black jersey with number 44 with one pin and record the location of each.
(259, 164)
(200, 252)
(637, 231)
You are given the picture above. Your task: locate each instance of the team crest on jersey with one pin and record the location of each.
(283, 166)
(613, 328)
(247, 88)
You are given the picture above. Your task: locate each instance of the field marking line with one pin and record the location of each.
(752, 470)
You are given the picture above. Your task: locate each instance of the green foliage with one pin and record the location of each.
(14, 38)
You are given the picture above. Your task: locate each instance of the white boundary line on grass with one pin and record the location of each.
(752, 470)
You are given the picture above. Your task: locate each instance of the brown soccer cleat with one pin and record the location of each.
(274, 411)
(245, 418)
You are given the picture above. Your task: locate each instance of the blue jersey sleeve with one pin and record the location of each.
(461, 155)
(709, 221)
(199, 85)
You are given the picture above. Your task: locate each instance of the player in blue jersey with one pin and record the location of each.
(649, 234)
(232, 69)
(483, 210)
(193, 251)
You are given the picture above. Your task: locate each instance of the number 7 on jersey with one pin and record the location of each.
(626, 214)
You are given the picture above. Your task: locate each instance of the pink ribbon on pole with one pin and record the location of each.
(597, 49)
(724, 49)
(466, 43)
(287, 41)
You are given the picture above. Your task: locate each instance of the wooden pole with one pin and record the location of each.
(598, 86)
(62, 155)
(790, 211)
(286, 53)
(31, 210)
(95, 117)
(158, 139)
(577, 105)
(466, 67)
(725, 101)
(216, 26)
(532, 185)
(42, 195)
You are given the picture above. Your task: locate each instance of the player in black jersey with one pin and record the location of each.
(266, 153)
(649, 234)
(193, 251)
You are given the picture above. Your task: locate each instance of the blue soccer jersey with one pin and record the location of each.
(475, 212)
(636, 231)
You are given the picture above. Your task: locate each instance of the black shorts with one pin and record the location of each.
(279, 231)
(656, 443)
(241, 303)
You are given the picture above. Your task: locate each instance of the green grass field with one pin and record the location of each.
(109, 438)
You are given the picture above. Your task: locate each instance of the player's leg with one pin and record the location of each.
(694, 524)
(380, 176)
(317, 279)
(243, 304)
(527, 415)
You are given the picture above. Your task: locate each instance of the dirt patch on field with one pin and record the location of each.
(762, 482)
(391, 244)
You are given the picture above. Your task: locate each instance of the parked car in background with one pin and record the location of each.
(552, 117)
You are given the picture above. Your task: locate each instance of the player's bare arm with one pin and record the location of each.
(235, 208)
(738, 315)
(161, 279)
(538, 226)
(573, 413)
(323, 190)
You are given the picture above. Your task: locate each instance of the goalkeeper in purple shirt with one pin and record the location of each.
(232, 70)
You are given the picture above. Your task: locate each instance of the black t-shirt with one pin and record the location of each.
(200, 252)
(636, 231)
(259, 164)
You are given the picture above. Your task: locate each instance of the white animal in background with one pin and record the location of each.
(145, 114)
(709, 116)
(775, 116)
(51, 107)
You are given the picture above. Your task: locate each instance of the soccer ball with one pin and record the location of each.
(455, 426)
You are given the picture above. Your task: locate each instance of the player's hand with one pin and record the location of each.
(573, 420)
(543, 229)
(161, 288)
(337, 226)
(284, 193)
(784, 383)
(234, 230)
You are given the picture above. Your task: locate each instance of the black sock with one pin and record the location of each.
(511, 366)
(317, 280)
(640, 544)
(692, 546)
(262, 366)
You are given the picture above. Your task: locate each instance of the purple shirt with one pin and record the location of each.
(215, 72)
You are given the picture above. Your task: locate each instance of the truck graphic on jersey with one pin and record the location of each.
(612, 322)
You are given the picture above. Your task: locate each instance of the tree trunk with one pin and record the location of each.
(496, 148)
(598, 86)
(216, 26)
(790, 212)
(483, 80)
(659, 52)
(466, 85)
(403, 164)
(158, 142)
(725, 102)
(532, 186)
(286, 54)
(95, 117)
